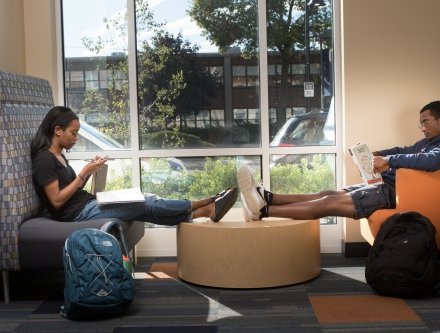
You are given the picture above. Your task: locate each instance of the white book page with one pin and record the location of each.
(362, 158)
(119, 196)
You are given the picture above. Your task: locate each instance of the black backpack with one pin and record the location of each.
(96, 283)
(403, 259)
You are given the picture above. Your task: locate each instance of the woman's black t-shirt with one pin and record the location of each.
(45, 169)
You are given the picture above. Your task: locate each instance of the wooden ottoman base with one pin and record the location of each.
(255, 254)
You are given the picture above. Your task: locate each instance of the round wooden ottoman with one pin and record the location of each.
(257, 254)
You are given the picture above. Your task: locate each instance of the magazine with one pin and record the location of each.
(120, 196)
(362, 157)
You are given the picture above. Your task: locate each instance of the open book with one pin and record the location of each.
(120, 196)
(362, 158)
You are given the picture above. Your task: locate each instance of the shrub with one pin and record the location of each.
(216, 175)
(307, 177)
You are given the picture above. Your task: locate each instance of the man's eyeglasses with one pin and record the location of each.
(425, 122)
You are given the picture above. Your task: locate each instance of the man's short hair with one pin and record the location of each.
(434, 109)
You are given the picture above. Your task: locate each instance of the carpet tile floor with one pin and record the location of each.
(338, 300)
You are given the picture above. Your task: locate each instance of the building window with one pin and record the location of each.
(92, 80)
(217, 73)
(239, 76)
(76, 79)
(245, 76)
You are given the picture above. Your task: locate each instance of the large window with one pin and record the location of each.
(181, 93)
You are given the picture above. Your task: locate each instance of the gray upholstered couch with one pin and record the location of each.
(26, 240)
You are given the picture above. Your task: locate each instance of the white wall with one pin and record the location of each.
(28, 39)
(391, 69)
(12, 54)
(41, 41)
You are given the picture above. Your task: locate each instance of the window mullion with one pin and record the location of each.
(264, 91)
(132, 84)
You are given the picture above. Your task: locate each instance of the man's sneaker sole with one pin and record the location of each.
(247, 214)
(246, 184)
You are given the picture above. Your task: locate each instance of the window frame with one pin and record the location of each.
(330, 235)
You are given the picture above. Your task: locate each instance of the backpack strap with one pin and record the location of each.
(115, 229)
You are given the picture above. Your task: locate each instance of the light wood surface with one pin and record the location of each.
(255, 254)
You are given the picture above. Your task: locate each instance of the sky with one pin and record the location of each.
(84, 18)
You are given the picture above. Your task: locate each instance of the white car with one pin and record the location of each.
(91, 139)
(301, 130)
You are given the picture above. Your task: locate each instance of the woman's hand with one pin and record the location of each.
(93, 166)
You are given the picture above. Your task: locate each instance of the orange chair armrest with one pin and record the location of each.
(416, 190)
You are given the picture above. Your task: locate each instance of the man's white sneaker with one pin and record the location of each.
(250, 190)
(247, 214)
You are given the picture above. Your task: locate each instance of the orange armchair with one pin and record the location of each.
(416, 190)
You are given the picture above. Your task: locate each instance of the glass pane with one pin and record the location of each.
(218, 117)
(76, 79)
(304, 59)
(118, 174)
(239, 76)
(96, 66)
(303, 173)
(192, 177)
(92, 139)
(194, 69)
(302, 130)
(217, 73)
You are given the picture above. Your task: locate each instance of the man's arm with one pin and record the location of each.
(411, 157)
(429, 161)
(400, 150)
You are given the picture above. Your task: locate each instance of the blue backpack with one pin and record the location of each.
(96, 283)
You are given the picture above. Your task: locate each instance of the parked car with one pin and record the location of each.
(92, 139)
(308, 129)
(301, 130)
(159, 173)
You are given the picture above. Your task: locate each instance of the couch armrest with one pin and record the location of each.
(370, 226)
(416, 190)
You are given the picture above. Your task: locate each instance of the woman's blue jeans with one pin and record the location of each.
(154, 209)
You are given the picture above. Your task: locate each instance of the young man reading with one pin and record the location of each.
(356, 201)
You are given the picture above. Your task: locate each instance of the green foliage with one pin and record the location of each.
(171, 81)
(158, 178)
(120, 180)
(228, 23)
(308, 177)
(216, 175)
